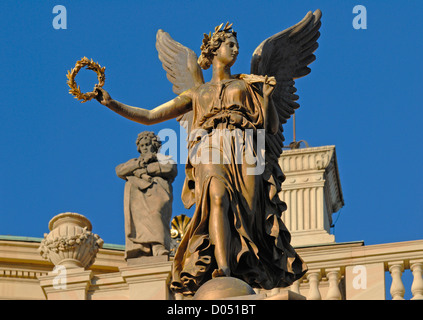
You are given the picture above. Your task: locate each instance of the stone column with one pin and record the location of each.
(72, 248)
(312, 192)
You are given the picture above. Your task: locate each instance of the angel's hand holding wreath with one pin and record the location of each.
(102, 95)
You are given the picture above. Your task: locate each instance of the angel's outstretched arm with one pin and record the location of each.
(169, 110)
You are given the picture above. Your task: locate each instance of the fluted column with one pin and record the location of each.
(334, 276)
(312, 192)
(417, 286)
(397, 287)
(313, 277)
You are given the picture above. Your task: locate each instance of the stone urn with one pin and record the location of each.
(70, 242)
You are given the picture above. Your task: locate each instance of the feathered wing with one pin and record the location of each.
(286, 56)
(182, 69)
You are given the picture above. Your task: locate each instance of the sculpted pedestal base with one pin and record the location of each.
(228, 288)
(147, 260)
(148, 278)
(66, 284)
(284, 294)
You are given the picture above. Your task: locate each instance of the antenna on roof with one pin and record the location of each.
(295, 144)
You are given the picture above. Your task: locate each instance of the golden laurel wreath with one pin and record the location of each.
(91, 65)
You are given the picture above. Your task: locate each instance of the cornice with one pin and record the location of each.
(306, 159)
(313, 167)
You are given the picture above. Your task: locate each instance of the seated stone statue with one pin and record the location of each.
(147, 199)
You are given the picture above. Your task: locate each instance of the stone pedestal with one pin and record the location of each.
(312, 192)
(365, 282)
(229, 288)
(283, 294)
(66, 284)
(286, 294)
(148, 278)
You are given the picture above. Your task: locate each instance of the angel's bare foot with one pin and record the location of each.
(221, 272)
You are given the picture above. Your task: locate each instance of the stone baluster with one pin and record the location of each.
(417, 286)
(397, 287)
(295, 287)
(334, 277)
(313, 278)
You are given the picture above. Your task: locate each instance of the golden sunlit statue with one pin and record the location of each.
(235, 140)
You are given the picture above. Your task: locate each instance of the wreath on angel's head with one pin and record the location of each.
(75, 89)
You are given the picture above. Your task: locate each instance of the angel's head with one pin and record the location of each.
(212, 47)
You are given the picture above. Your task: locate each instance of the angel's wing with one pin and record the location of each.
(182, 69)
(286, 56)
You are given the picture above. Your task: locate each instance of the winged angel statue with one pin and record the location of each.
(236, 229)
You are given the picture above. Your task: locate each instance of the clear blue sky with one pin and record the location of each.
(58, 155)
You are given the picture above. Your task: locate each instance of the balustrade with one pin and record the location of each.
(337, 271)
(355, 271)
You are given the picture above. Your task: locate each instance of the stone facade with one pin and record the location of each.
(312, 190)
(347, 271)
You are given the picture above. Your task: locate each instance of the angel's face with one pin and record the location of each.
(228, 51)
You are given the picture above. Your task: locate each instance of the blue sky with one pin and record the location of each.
(58, 155)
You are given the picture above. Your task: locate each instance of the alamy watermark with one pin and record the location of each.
(60, 20)
(216, 146)
(60, 281)
(360, 280)
(360, 20)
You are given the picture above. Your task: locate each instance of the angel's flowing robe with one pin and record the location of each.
(260, 250)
